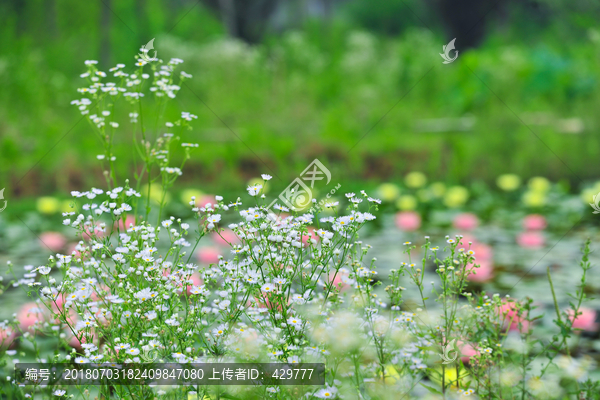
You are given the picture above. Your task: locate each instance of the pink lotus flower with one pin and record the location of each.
(226, 236)
(58, 308)
(585, 321)
(28, 315)
(166, 272)
(408, 221)
(484, 273)
(58, 303)
(205, 199)
(95, 231)
(534, 222)
(466, 351)
(310, 235)
(482, 251)
(7, 337)
(181, 280)
(76, 343)
(194, 280)
(509, 310)
(208, 255)
(466, 221)
(340, 280)
(129, 220)
(72, 248)
(53, 240)
(531, 240)
(464, 242)
(100, 292)
(484, 257)
(270, 301)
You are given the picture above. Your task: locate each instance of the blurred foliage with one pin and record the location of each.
(355, 99)
(388, 16)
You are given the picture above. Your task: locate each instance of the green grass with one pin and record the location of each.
(350, 98)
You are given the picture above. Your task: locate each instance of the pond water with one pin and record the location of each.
(517, 271)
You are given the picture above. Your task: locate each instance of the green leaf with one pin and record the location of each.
(229, 396)
(432, 390)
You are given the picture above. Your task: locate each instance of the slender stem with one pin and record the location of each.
(554, 296)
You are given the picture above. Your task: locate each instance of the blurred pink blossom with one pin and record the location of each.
(484, 273)
(270, 301)
(408, 221)
(466, 351)
(205, 199)
(464, 242)
(7, 337)
(208, 255)
(95, 230)
(53, 240)
(227, 235)
(307, 237)
(76, 343)
(530, 239)
(58, 303)
(195, 281)
(482, 251)
(509, 310)
(72, 248)
(534, 222)
(484, 257)
(58, 307)
(340, 281)
(466, 221)
(586, 320)
(28, 315)
(129, 219)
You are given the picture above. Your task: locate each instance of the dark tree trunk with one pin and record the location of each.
(466, 20)
(244, 19)
(227, 11)
(19, 8)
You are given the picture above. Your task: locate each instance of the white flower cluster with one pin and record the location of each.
(273, 299)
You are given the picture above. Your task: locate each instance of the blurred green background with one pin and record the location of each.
(358, 84)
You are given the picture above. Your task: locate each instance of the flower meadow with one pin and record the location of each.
(294, 287)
